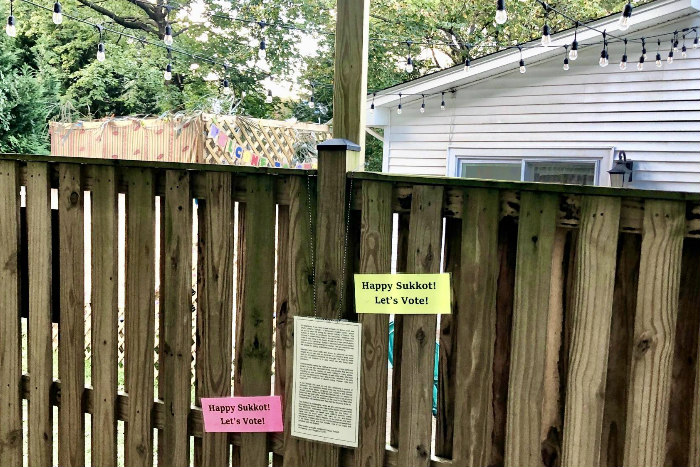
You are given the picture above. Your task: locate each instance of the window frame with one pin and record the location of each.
(601, 157)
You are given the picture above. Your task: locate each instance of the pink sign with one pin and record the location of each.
(242, 414)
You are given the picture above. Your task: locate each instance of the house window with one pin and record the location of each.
(561, 171)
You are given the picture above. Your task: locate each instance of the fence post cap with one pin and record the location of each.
(338, 144)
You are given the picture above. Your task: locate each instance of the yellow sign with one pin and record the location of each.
(403, 294)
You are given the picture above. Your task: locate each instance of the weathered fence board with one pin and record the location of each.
(591, 315)
(104, 317)
(176, 299)
(10, 349)
(71, 328)
(418, 353)
(375, 258)
(139, 317)
(215, 305)
(530, 317)
(281, 309)
(476, 328)
(40, 336)
(654, 333)
(258, 308)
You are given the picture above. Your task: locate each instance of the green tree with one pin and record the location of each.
(26, 102)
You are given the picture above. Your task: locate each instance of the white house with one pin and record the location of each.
(549, 124)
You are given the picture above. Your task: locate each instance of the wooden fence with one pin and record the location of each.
(574, 337)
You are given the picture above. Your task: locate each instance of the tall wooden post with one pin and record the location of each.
(350, 77)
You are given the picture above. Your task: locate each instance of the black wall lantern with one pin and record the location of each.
(621, 172)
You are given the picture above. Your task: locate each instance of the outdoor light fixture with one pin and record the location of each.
(101, 52)
(168, 73)
(573, 53)
(371, 107)
(670, 54)
(442, 103)
(623, 62)
(399, 109)
(603, 62)
(625, 16)
(640, 65)
(522, 62)
(501, 15)
(658, 54)
(409, 60)
(621, 171)
(262, 51)
(268, 99)
(546, 35)
(11, 29)
(227, 88)
(168, 37)
(312, 99)
(422, 106)
(566, 58)
(57, 14)
(467, 63)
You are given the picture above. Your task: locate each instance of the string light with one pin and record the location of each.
(11, 29)
(501, 15)
(168, 37)
(640, 65)
(573, 53)
(522, 62)
(644, 48)
(603, 62)
(168, 73)
(467, 62)
(695, 42)
(409, 61)
(675, 41)
(262, 50)
(268, 99)
(371, 107)
(312, 100)
(57, 14)
(398, 109)
(422, 106)
(658, 54)
(684, 49)
(100, 46)
(546, 35)
(442, 103)
(566, 58)
(625, 16)
(669, 59)
(623, 62)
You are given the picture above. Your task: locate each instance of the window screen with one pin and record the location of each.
(574, 173)
(491, 171)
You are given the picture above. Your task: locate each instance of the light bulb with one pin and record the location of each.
(268, 99)
(623, 62)
(57, 14)
(11, 29)
(501, 15)
(467, 65)
(262, 51)
(227, 88)
(409, 65)
(684, 52)
(168, 37)
(695, 43)
(442, 105)
(546, 37)
(603, 61)
(658, 60)
(371, 108)
(167, 74)
(573, 53)
(669, 60)
(101, 52)
(522, 66)
(675, 46)
(312, 104)
(644, 53)
(640, 65)
(566, 64)
(422, 108)
(398, 110)
(625, 17)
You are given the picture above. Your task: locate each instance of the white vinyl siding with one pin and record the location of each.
(653, 115)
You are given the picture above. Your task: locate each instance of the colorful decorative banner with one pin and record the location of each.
(213, 131)
(222, 139)
(405, 294)
(242, 414)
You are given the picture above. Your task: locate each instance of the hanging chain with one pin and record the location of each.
(313, 248)
(345, 254)
(313, 242)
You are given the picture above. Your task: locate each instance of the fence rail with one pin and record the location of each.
(573, 338)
